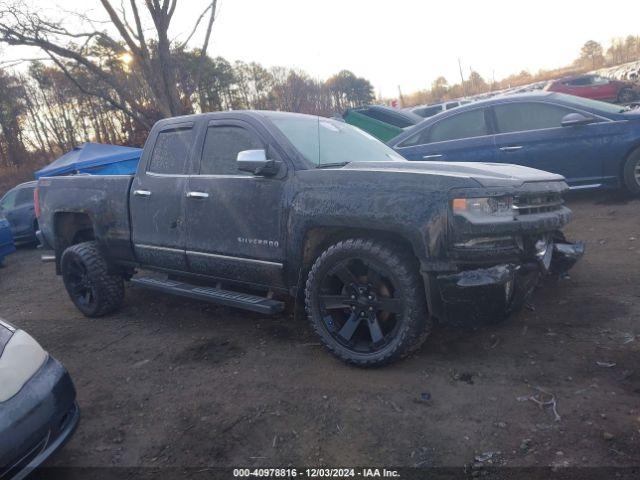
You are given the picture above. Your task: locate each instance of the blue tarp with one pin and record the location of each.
(94, 158)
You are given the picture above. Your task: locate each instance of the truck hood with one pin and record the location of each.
(484, 174)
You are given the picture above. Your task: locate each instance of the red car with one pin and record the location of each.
(594, 87)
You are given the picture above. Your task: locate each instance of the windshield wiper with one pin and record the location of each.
(329, 165)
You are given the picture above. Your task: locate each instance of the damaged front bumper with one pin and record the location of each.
(488, 295)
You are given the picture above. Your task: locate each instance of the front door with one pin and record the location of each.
(157, 199)
(464, 137)
(235, 219)
(530, 134)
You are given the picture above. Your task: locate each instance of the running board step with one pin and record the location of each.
(211, 294)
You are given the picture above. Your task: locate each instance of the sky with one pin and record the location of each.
(399, 43)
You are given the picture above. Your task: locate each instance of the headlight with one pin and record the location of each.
(485, 209)
(21, 359)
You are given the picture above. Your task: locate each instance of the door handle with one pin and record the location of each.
(197, 195)
(142, 193)
(437, 155)
(511, 149)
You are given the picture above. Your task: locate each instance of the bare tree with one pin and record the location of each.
(72, 52)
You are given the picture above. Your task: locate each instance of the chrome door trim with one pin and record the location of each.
(155, 247)
(235, 259)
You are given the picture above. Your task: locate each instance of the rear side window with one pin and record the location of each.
(388, 117)
(428, 111)
(221, 147)
(24, 196)
(521, 117)
(464, 125)
(171, 151)
(9, 200)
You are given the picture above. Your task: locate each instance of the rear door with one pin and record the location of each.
(22, 216)
(235, 219)
(463, 137)
(157, 198)
(530, 134)
(603, 89)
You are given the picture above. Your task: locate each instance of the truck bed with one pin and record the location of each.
(103, 199)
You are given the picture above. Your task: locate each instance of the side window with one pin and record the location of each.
(9, 200)
(389, 117)
(579, 82)
(171, 151)
(221, 147)
(428, 111)
(520, 117)
(463, 125)
(24, 196)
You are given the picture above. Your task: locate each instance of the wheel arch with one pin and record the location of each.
(318, 238)
(634, 150)
(71, 228)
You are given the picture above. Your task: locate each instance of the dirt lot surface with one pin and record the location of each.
(175, 382)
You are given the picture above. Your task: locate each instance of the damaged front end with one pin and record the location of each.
(502, 246)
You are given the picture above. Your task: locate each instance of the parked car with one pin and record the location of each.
(17, 207)
(380, 121)
(6, 239)
(38, 410)
(592, 144)
(426, 111)
(595, 87)
(238, 206)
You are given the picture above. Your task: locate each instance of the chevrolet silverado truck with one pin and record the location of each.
(246, 208)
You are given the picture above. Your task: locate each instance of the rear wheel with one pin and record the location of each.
(631, 173)
(92, 288)
(626, 95)
(365, 300)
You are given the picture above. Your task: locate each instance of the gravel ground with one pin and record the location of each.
(176, 382)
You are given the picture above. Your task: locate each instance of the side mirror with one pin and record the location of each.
(576, 119)
(256, 162)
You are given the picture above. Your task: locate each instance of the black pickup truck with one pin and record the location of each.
(244, 208)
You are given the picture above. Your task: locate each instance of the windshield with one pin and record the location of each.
(581, 102)
(323, 141)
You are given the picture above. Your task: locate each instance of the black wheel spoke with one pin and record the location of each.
(349, 327)
(375, 330)
(391, 305)
(331, 302)
(345, 275)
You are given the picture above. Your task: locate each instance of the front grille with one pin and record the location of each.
(540, 203)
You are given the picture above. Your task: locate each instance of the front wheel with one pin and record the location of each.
(366, 301)
(92, 288)
(626, 95)
(631, 173)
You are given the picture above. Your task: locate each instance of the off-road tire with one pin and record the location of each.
(107, 288)
(631, 167)
(415, 322)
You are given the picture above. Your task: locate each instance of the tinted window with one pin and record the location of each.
(24, 196)
(171, 151)
(388, 117)
(428, 111)
(519, 117)
(221, 147)
(579, 82)
(464, 125)
(9, 200)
